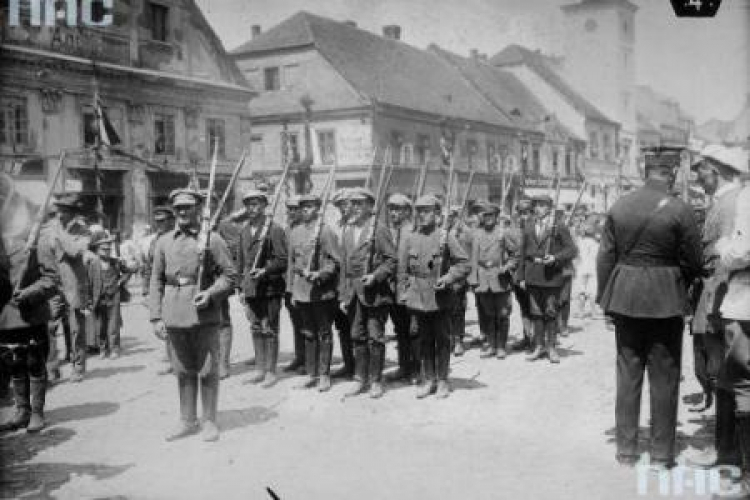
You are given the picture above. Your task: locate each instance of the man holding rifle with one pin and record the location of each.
(430, 261)
(185, 301)
(314, 266)
(365, 293)
(546, 248)
(263, 284)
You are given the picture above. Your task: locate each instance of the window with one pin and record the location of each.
(569, 163)
(159, 17)
(97, 11)
(423, 149)
(555, 161)
(14, 122)
(471, 152)
(164, 134)
(408, 154)
(491, 158)
(290, 147)
(257, 150)
(272, 79)
(397, 141)
(524, 158)
(291, 76)
(215, 132)
(327, 146)
(536, 158)
(593, 145)
(90, 132)
(607, 147)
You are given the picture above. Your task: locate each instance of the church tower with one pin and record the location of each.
(599, 60)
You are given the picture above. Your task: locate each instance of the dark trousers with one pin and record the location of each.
(656, 344)
(736, 368)
(264, 315)
(433, 329)
(316, 319)
(458, 316)
(368, 335)
(299, 340)
(194, 353)
(77, 339)
(107, 323)
(343, 327)
(494, 309)
(408, 363)
(27, 358)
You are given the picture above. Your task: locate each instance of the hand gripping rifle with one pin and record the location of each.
(33, 238)
(204, 237)
(230, 187)
(444, 252)
(327, 190)
(380, 199)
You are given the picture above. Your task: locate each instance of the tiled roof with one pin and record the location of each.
(514, 55)
(382, 70)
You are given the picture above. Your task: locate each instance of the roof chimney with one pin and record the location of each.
(350, 23)
(392, 31)
(255, 30)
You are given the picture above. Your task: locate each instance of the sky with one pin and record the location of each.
(702, 63)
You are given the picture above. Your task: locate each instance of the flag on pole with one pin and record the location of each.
(106, 133)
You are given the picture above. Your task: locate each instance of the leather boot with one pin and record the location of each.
(417, 374)
(443, 389)
(22, 413)
(38, 392)
(491, 350)
(538, 342)
(187, 386)
(361, 366)
(377, 360)
(551, 334)
(225, 350)
(727, 446)
(259, 346)
(427, 388)
(742, 490)
(404, 365)
(311, 360)
(324, 364)
(272, 356)
(209, 403)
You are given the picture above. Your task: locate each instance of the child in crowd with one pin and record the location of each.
(585, 277)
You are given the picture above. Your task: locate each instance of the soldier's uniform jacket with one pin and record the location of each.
(492, 250)
(354, 259)
(398, 235)
(516, 231)
(561, 247)
(301, 250)
(419, 266)
(230, 232)
(70, 247)
(40, 283)
(273, 259)
(719, 223)
(652, 280)
(175, 274)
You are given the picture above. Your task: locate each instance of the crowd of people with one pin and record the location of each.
(647, 263)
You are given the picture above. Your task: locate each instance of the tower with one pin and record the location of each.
(599, 60)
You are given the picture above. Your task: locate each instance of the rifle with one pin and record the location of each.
(227, 191)
(554, 215)
(327, 189)
(469, 185)
(444, 261)
(578, 202)
(380, 198)
(204, 237)
(33, 238)
(263, 236)
(421, 181)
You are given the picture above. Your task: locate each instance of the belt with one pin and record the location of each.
(488, 263)
(421, 274)
(648, 261)
(180, 281)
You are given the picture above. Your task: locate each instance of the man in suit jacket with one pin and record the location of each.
(718, 178)
(546, 248)
(340, 200)
(493, 260)
(262, 261)
(368, 267)
(298, 363)
(649, 253)
(524, 210)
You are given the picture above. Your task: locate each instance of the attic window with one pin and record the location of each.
(272, 78)
(159, 16)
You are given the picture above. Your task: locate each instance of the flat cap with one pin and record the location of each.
(309, 198)
(72, 201)
(256, 194)
(428, 200)
(340, 195)
(163, 212)
(293, 201)
(543, 198)
(360, 193)
(399, 200)
(100, 238)
(185, 196)
(487, 208)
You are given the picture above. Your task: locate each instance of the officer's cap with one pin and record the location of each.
(255, 194)
(309, 198)
(428, 200)
(543, 198)
(360, 193)
(399, 200)
(163, 212)
(292, 201)
(185, 196)
(340, 196)
(70, 201)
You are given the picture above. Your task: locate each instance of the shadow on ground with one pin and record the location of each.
(700, 439)
(80, 412)
(111, 371)
(229, 420)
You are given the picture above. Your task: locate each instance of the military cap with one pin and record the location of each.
(163, 212)
(255, 194)
(543, 198)
(293, 201)
(360, 193)
(524, 203)
(71, 201)
(340, 195)
(185, 196)
(309, 198)
(486, 208)
(399, 200)
(428, 200)
(100, 238)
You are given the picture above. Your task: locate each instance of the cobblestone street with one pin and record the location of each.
(511, 429)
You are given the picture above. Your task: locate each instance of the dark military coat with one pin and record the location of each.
(302, 248)
(273, 259)
(494, 258)
(355, 255)
(652, 280)
(561, 247)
